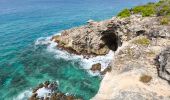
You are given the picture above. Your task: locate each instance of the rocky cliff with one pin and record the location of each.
(140, 69)
(97, 38)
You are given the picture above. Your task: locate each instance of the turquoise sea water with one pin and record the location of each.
(23, 64)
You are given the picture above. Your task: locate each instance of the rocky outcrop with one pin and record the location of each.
(164, 64)
(83, 40)
(96, 67)
(136, 41)
(48, 91)
(97, 38)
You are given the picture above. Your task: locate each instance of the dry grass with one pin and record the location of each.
(145, 78)
(142, 41)
(151, 53)
(164, 21)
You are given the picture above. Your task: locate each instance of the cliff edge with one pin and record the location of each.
(141, 42)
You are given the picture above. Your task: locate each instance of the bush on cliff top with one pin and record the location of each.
(124, 13)
(162, 8)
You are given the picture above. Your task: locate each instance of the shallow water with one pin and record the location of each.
(24, 64)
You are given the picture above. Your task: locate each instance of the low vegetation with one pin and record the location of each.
(145, 78)
(165, 21)
(142, 41)
(124, 13)
(161, 8)
(62, 43)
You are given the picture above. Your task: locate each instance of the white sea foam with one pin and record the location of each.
(43, 92)
(85, 63)
(24, 95)
(42, 41)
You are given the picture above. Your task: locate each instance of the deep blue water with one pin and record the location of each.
(24, 65)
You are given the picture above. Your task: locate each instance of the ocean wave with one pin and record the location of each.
(85, 63)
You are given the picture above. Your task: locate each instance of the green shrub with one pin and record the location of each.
(145, 10)
(124, 13)
(161, 8)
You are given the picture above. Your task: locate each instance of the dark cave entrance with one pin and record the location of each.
(111, 40)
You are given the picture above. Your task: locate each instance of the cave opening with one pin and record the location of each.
(111, 40)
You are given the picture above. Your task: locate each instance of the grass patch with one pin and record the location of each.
(129, 51)
(164, 21)
(142, 41)
(145, 78)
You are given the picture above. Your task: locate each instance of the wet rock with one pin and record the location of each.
(53, 93)
(46, 84)
(96, 67)
(69, 98)
(164, 64)
(40, 85)
(108, 69)
(56, 38)
(33, 97)
(47, 98)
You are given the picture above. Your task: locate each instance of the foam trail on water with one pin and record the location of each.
(85, 63)
(24, 95)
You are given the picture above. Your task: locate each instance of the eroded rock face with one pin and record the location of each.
(164, 64)
(97, 38)
(142, 39)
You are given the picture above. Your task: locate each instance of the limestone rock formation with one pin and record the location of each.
(136, 41)
(97, 38)
(164, 64)
(134, 73)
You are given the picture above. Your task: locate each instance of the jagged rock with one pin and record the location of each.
(46, 83)
(50, 92)
(34, 97)
(96, 67)
(164, 64)
(108, 69)
(141, 39)
(100, 37)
